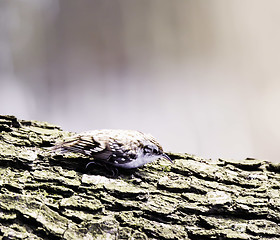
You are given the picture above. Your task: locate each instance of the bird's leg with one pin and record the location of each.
(95, 163)
(108, 167)
(114, 170)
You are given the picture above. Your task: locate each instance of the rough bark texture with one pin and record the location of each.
(49, 196)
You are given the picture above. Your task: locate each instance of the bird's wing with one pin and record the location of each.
(112, 150)
(86, 145)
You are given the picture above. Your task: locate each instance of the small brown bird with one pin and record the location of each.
(120, 148)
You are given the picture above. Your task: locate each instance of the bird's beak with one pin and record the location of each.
(166, 157)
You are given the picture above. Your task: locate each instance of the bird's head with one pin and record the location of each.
(153, 150)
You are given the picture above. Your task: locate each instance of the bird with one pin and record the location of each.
(118, 148)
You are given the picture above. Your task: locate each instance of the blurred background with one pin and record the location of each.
(201, 76)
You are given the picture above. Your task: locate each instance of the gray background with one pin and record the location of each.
(200, 75)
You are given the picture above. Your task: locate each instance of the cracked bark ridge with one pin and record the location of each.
(52, 196)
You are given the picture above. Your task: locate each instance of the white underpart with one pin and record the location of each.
(140, 161)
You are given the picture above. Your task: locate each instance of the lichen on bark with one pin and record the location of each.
(45, 195)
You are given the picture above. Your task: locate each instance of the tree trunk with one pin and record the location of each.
(47, 195)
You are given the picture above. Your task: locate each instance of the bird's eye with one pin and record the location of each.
(155, 151)
(148, 149)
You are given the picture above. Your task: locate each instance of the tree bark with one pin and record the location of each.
(47, 195)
